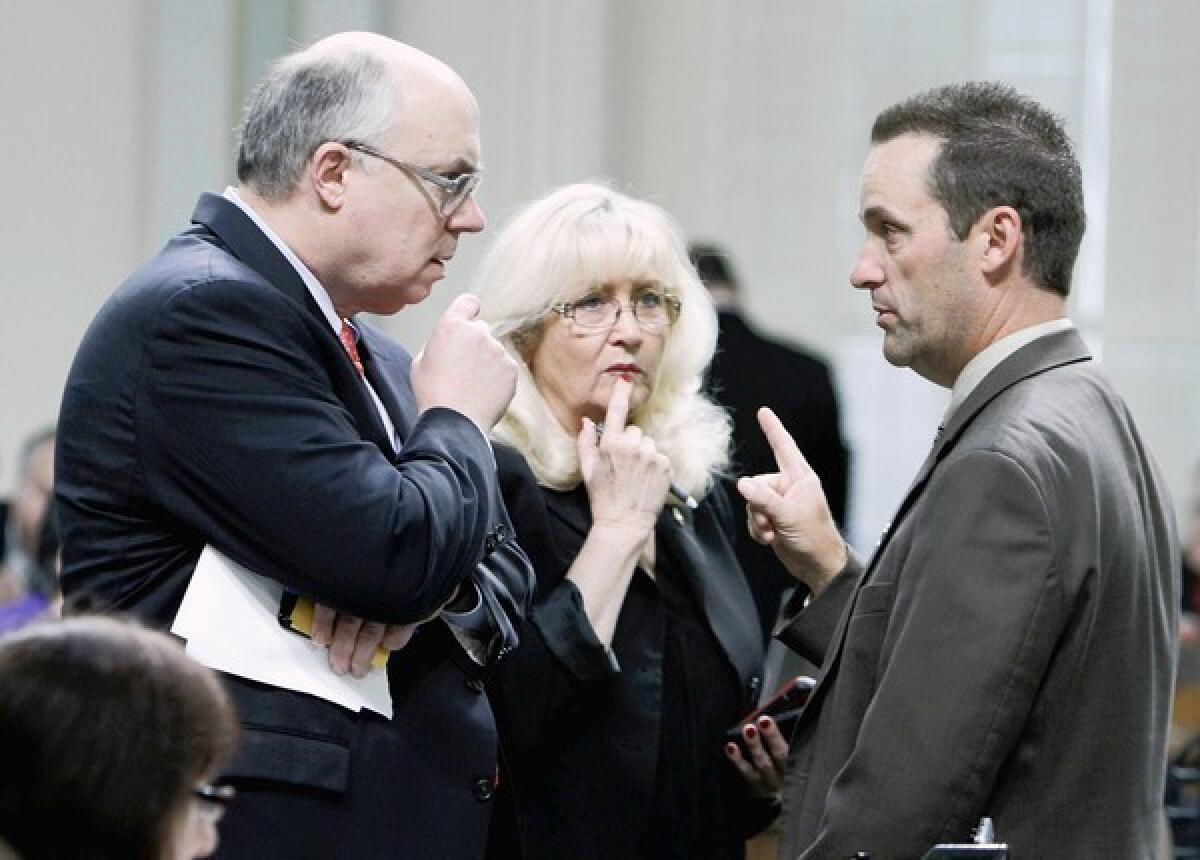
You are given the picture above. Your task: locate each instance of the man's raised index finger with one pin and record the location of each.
(783, 446)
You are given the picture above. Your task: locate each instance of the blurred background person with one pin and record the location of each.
(1183, 773)
(751, 370)
(28, 572)
(109, 735)
(644, 643)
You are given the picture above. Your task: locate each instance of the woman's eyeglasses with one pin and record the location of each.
(654, 310)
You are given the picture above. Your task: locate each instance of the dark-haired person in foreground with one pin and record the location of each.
(110, 737)
(1009, 649)
(227, 399)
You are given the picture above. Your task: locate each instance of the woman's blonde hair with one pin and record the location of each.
(559, 248)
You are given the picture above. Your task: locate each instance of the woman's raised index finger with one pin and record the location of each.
(618, 406)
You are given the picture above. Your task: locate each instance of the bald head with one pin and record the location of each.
(349, 86)
(408, 63)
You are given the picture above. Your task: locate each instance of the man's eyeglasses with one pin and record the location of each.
(654, 311)
(454, 189)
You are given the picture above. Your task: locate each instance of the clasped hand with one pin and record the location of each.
(353, 641)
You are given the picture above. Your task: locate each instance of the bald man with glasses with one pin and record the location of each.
(227, 403)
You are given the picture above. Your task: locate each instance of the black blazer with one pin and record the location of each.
(750, 371)
(578, 766)
(210, 402)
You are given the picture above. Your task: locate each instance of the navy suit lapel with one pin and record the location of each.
(242, 237)
(246, 241)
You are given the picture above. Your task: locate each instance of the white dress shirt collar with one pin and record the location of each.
(310, 280)
(986, 361)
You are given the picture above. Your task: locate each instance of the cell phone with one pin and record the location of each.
(784, 708)
(296, 616)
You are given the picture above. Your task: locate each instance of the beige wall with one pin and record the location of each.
(71, 220)
(747, 120)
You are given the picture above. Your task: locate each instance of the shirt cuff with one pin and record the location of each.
(469, 628)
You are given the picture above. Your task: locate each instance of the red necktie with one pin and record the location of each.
(349, 339)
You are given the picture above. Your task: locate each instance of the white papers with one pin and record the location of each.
(228, 617)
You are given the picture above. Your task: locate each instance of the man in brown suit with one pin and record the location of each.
(1009, 649)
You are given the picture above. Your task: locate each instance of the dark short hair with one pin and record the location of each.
(1000, 148)
(712, 264)
(105, 729)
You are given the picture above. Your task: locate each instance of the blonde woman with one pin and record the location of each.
(643, 646)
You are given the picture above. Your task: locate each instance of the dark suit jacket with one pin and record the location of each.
(211, 403)
(581, 757)
(1010, 649)
(750, 371)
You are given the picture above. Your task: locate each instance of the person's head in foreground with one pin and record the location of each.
(110, 737)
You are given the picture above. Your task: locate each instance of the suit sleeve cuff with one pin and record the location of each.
(569, 636)
(471, 627)
(808, 623)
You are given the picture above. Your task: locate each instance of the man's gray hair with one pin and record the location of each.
(305, 100)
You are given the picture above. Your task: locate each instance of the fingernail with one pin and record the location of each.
(764, 722)
(730, 749)
(750, 732)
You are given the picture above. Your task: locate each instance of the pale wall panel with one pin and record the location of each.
(1152, 268)
(74, 98)
(540, 70)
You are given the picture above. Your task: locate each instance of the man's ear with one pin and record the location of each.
(1001, 239)
(327, 171)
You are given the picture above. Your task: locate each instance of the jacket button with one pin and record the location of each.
(494, 538)
(483, 789)
(755, 683)
(475, 685)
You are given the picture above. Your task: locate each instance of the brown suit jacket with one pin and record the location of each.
(1010, 648)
